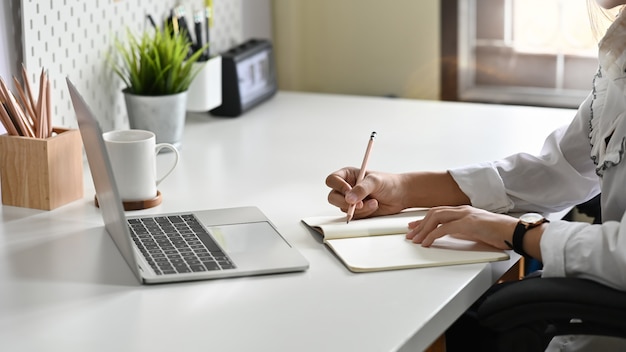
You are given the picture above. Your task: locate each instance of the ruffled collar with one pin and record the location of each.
(608, 107)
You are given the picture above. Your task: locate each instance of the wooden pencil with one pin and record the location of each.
(361, 174)
(27, 88)
(4, 117)
(48, 107)
(6, 121)
(41, 106)
(15, 111)
(30, 113)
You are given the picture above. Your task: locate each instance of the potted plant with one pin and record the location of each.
(157, 69)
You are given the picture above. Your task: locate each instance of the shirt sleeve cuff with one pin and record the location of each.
(484, 187)
(552, 245)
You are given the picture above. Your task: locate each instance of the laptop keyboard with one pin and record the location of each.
(177, 244)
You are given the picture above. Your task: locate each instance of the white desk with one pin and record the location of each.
(65, 287)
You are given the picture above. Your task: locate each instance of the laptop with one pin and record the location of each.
(198, 245)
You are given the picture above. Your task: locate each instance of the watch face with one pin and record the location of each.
(531, 218)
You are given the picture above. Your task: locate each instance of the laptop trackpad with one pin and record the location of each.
(247, 237)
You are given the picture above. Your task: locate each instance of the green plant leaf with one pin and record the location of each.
(155, 63)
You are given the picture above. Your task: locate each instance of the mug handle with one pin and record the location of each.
(157, 149)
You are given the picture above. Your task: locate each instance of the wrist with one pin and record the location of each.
(409, 186)
(526, 236)
(532, 241)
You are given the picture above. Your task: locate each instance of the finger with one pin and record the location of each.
(439, 232)
(363, 189)
(451, 221)
(366, 209)
(338, 183)
(414, 224)
(433, 221)
(337, 199)
(414, 228)
(340, 178)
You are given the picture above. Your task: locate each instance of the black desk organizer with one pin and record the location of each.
(251, 63)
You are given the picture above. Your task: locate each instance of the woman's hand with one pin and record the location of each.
(464, 222)
(378, 194)
(386, 193)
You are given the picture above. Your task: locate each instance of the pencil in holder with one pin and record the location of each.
(41, 173)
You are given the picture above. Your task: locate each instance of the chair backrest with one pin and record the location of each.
(532, 311)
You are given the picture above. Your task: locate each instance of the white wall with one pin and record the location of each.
(10, 44)
(6, 39)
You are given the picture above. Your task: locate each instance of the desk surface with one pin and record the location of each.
(65, 287)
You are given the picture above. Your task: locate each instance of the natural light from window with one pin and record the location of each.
(535, 52)
(552, 27)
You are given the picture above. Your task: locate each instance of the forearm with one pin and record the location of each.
(428, 189)
(591, 251)
(532, 241)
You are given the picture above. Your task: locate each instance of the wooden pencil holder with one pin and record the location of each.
(41, 173)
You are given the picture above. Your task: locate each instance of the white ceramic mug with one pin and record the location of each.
(133, 158)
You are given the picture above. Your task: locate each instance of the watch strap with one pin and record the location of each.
(518, 236)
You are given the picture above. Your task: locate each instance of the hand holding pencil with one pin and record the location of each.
(380, 193)
(24, 115)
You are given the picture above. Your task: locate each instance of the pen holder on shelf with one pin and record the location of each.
(41, 173)
(205, 91)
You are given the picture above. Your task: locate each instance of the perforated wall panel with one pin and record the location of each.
(71, 38)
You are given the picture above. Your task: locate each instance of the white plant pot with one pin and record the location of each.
(205, 92)
(163, 114)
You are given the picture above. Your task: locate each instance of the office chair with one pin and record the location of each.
(527, 314)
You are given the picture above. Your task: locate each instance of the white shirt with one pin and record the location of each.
(576, 163)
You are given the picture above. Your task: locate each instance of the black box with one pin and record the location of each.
(248, 77)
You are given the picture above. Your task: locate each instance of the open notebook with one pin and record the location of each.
(379, 243)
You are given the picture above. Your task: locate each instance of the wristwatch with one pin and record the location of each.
(525, 223)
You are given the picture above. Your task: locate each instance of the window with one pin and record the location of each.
(531, 52)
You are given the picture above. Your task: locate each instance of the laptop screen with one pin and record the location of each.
(102, 175)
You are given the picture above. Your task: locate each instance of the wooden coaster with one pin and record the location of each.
(139, 204)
